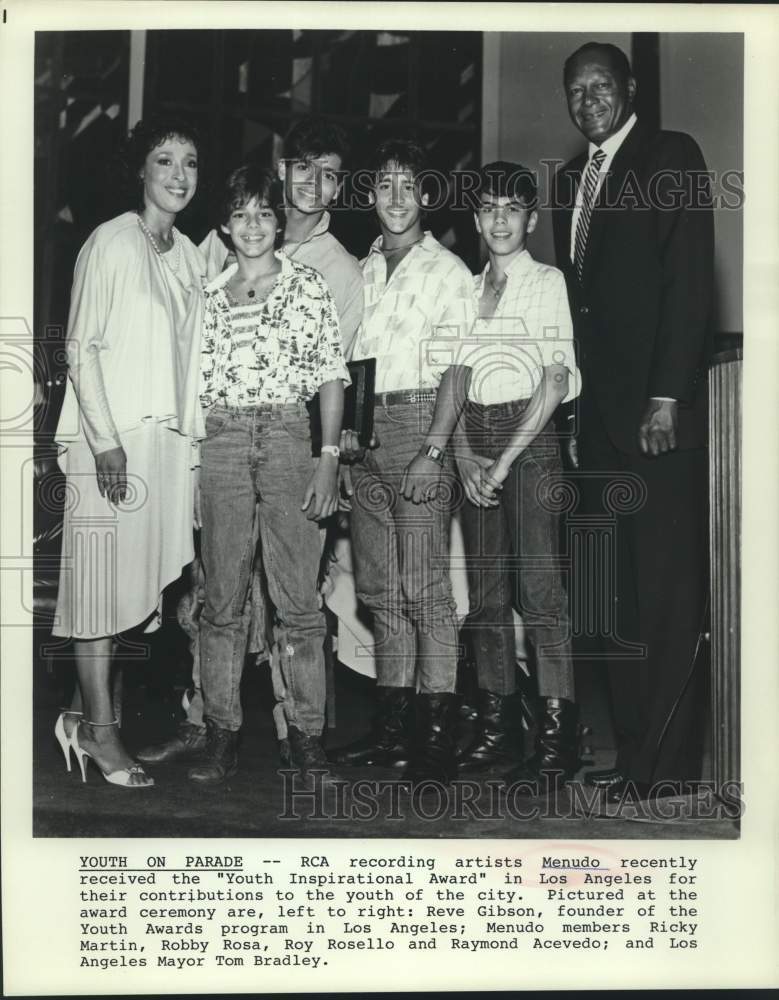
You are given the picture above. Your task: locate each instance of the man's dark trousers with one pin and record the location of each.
(660, 584)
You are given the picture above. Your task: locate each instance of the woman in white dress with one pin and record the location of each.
(128, 430)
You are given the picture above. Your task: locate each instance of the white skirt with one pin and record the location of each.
(117, 560)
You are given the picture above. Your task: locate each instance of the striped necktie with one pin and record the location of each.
(589, 185)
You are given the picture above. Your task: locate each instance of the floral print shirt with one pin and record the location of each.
(280, 350)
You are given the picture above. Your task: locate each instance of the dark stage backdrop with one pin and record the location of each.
(243, 89)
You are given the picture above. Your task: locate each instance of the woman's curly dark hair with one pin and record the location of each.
(146, 136)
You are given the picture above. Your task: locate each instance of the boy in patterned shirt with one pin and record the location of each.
(311, 169)
(418, 306)
(271, 341)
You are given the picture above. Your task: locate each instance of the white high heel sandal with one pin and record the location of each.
(120, 777)
(62, 736)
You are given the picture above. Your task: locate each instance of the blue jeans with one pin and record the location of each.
(516, 541)
(260, 456)
(401, 558)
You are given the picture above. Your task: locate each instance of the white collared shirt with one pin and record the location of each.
(530, 330)
(610, 147)
(414, 324)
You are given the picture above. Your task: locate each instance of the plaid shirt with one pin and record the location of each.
(277, 351)
(530, 330)
(413, 324)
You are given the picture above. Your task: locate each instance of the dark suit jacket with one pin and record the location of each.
(643, 308)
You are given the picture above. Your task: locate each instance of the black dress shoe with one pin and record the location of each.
(187, 743)
(603, 779)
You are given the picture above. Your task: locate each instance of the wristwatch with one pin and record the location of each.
(430, 451)
(331, 449)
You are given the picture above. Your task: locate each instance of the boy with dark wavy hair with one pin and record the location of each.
(522, 362)
(418, 306)
(311, 172)
(270, 343)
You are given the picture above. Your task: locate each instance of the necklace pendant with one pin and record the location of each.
(251, 293)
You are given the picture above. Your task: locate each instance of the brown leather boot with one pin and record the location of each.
(307, 755)
(187, 743)
(220, 756)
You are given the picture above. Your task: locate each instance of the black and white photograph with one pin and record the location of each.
(391, 442)
(531, 583)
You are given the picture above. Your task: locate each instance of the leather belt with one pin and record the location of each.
(250, 408)
(406, 396)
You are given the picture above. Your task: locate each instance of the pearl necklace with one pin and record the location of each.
(167, 257)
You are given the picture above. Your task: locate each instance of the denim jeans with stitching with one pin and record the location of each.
(512, 554)
(401, 556)
(260, 457)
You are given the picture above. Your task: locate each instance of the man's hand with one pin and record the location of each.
(472, 469)
(421, 479)
(111, 469)
(657, 431)
(321, 494)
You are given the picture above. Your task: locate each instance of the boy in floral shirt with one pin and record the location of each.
(271, 342)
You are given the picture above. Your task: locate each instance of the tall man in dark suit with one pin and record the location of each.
(634, 237)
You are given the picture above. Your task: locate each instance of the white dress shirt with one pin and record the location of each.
(610, 147)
